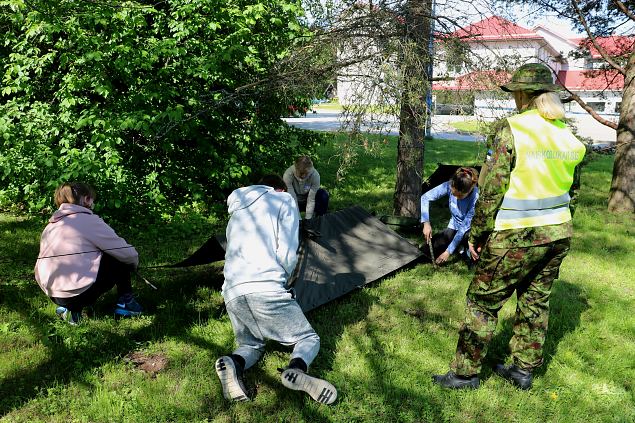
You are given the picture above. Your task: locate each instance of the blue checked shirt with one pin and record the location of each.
(462, 210)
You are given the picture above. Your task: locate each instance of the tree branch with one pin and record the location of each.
(594, 41)
(620, 5)
(592, 112)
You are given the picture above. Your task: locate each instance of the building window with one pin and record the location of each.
(617, 106)
(594, 64)
(598, 106)
(455, 67)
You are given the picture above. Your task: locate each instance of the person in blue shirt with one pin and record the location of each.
(462, 194)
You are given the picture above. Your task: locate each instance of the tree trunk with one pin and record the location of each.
(413, 112)
(622, 194)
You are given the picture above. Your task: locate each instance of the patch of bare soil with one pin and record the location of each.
(149, 363)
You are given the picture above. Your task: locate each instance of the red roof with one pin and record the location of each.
(495, 28)
(615, 46)
(591, 80)
(588, 80)
(478, 80)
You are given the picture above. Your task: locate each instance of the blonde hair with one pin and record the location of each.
(303, 165)
(72, 193)
(549, 105)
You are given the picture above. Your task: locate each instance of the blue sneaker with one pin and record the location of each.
(127, 306)
(73, 317)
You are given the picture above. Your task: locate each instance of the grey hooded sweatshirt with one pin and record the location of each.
(262, 241)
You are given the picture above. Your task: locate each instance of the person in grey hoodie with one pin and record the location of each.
(261, 254)
(303, 183)
(81, 257)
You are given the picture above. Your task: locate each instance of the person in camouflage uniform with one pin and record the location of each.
(525, 260)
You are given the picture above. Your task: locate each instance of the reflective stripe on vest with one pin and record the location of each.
(546, 156)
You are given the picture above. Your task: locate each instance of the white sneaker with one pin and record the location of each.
(319, 389)
(231, 379)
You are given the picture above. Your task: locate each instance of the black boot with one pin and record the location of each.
(451, 380)
(519, 377)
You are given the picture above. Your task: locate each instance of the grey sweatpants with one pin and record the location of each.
(275, 316)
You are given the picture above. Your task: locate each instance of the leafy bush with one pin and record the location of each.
(157, 105)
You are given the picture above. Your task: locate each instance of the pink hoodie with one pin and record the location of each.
(71, 247)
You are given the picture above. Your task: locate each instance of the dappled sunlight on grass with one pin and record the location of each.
(380, 344)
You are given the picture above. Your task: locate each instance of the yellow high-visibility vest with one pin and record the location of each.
(546, 156)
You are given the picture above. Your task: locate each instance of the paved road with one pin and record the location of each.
(441, 128)
(335, 121)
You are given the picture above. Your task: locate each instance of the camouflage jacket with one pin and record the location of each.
(493, 184)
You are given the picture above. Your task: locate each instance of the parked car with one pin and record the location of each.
(453, 109)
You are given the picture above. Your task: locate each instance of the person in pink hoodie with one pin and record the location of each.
(81, 257)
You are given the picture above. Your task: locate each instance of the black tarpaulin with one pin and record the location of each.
(213, 250)
(354, 248)
(341, 252)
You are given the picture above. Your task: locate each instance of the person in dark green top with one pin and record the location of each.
(521, 229)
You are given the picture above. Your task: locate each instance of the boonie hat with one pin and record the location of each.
(532, 77)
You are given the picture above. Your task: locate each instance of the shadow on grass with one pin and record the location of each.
(567, 303)
(395, 397)
(18, 244)
(72, 351)
(372, 202)
(600, 242)
(329, 322)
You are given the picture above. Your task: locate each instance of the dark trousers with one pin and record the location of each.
(321, 202)
(111, 272)
(440, 243)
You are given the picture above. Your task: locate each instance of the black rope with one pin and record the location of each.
(136, 271)
(84, 252)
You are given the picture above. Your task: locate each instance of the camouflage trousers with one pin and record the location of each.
(530, 271)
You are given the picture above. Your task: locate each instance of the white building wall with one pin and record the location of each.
(559, 42)
(490, 106)
(553, 50)
(493, 55)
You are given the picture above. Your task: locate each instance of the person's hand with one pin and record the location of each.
(427, 231)
(443, 257)
(474, 252)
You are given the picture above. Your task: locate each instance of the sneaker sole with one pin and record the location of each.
(226, 372)
(126, 313)
(319, 389)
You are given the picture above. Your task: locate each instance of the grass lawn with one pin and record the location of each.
(380, 345)
(332, 106)
(469, 126)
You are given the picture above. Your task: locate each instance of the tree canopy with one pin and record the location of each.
(158, 104)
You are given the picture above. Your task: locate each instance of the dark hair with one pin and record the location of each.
(273, 181)
(72, 192)
(464, 179)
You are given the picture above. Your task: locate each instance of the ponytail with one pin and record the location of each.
(549, 105)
